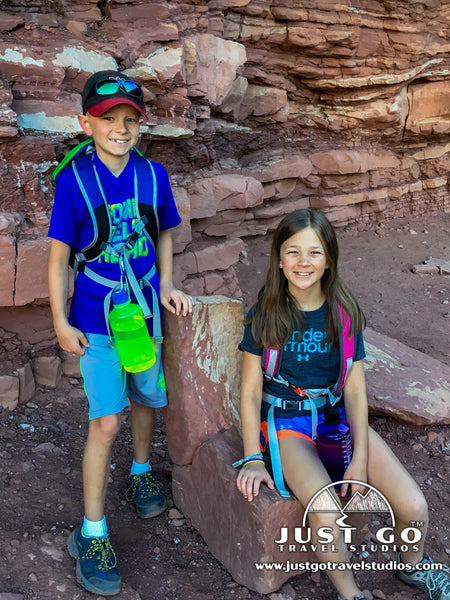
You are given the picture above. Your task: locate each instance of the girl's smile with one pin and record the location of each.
(303, 260)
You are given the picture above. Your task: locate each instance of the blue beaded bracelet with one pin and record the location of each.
(247, 458)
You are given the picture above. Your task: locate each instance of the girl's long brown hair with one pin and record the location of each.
(276, 315)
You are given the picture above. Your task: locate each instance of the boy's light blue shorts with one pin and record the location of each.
(107, 384)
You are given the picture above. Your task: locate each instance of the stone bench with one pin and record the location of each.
(203, 370)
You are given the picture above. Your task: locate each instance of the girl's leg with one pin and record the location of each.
(389, 476)
(305, 475)
(96, 464)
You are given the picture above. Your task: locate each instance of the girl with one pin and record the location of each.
(298, 303)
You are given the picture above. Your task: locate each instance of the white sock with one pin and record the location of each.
(95, 528)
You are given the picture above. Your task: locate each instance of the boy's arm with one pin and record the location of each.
(70, 339)
(172, 299)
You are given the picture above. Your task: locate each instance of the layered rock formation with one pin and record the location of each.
(256, 107)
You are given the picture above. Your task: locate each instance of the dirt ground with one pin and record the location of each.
(165, 558)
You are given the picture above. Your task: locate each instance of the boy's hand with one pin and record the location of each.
(71, 339)
(175, 301)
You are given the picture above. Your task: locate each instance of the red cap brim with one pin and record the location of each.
(99, 109)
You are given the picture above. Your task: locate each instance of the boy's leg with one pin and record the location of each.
(142, 424)
(105, 386)
(96, 464)
(144, 489)
(147, 391)
(89, 543)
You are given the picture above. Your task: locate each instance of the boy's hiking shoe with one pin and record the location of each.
(147, 495)
(435, 583)
(96, 563)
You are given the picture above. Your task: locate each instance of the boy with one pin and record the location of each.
(111, 113)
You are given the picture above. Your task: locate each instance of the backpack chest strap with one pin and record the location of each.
(129, 280)
(311, 406)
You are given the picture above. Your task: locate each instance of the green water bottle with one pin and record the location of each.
(130, 334)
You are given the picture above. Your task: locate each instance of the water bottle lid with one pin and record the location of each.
(332, 415)
(120, 297)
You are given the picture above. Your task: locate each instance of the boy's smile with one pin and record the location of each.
(115, 133)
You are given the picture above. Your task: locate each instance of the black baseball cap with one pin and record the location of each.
(97, 104)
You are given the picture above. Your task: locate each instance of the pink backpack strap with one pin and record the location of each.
(347, 347)
(271, 361)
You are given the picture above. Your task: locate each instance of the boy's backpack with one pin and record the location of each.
(309, 400)
(80, 160)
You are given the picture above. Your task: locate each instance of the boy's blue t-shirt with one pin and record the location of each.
(307, 360)
(71, 223)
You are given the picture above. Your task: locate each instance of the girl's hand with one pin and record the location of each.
(175, 301)
(250, 478)
(71, 339)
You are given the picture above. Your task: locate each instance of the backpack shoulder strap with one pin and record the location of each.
(271, 361)
(147, 205)
(346, 348)
(86, 146)
(271, 358)
(92, 191)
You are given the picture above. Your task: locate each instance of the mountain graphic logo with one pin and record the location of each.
(371, 501)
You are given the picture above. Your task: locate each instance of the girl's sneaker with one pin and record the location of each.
(96, 563)
(435, 582)
(362, 597)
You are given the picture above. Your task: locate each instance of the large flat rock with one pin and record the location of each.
(404, 383)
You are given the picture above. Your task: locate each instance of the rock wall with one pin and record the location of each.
(256, 107)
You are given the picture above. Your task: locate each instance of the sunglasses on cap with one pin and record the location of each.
(109, 87)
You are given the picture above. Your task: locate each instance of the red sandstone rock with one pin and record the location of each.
(9, 22)
(221, 224)
(224, 192)
(202, 364)
(31, 270)
(272, 87)
(337, 162)
(265, 101)
(280, 209)
(140, 24)
(9, 391)
(405, 383)
(27, 385)
(442, 264)
(162, 68)
(425, 269)
(219, 256)
(211, 66)
(206, 493)
(7, 269)
(271, 166)
(181, 235)
(220, 283)
(70, 364)
(47, 370)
